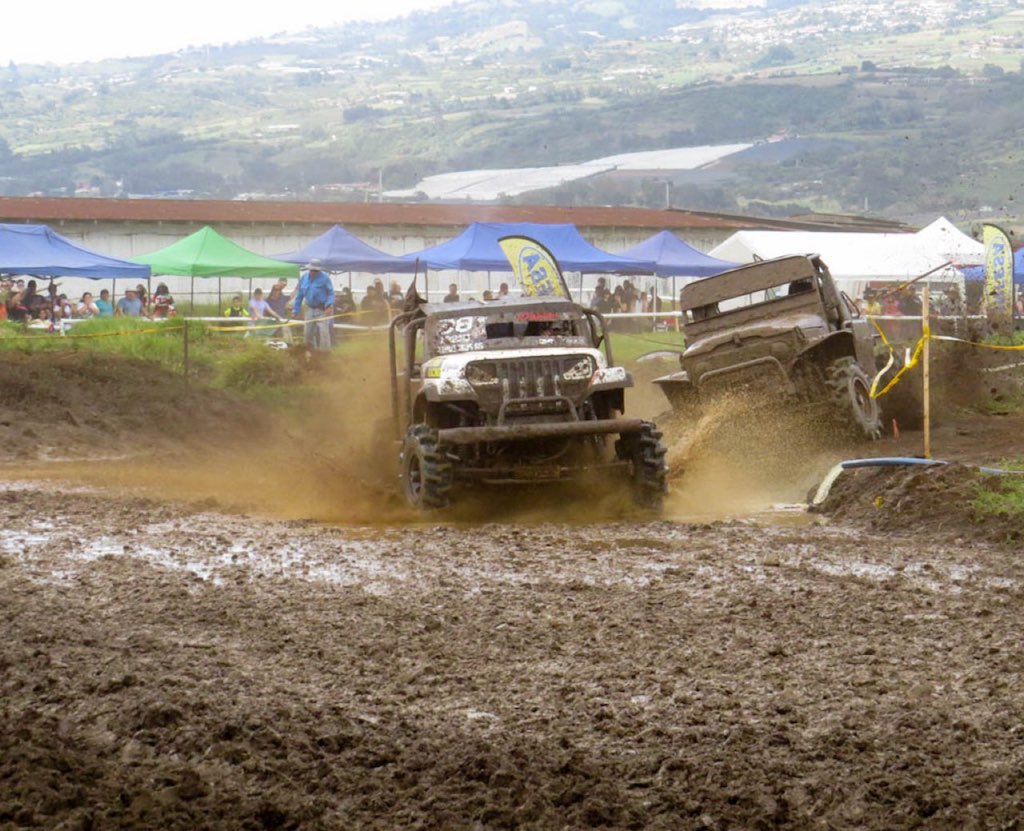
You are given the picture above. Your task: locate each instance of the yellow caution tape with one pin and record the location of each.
(892, 359)
(230, 327)
(1017, 347)
(926, 335)
(914, 358)
(244, 326)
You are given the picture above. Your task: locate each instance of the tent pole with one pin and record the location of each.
(675, 300)
(192, 294)
(113, 293)
(220, 301)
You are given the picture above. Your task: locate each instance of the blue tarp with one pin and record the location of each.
(40, 251)
(976, 273)
(477, 249)
(674, 258)
(339, 250)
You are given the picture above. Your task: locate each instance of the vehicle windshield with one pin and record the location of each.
(513, 330)
(803, 287)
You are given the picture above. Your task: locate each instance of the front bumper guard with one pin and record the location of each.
(526, 432)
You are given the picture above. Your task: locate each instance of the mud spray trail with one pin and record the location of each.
(232, 639)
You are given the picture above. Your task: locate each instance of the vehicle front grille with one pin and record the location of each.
(520, 379)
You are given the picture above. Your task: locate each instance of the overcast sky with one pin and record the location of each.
(65, 31)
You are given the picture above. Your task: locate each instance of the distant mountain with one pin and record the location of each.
(910, 108)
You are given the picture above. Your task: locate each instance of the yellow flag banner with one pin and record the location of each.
(998, 271)
(535, 267)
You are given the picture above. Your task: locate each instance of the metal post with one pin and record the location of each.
(184, 339)
(220, 302)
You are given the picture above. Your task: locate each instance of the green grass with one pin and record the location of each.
(1004, 405)
(1013, 339)
(144, 340)
(224, 358)
(627, 346)
(1005, 496)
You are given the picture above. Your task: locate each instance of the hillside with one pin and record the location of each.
(907, 109)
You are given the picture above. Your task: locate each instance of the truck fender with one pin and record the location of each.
(836, 345)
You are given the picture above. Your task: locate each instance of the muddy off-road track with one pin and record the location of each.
(183, 649)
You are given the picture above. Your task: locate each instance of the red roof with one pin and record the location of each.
(51, 209)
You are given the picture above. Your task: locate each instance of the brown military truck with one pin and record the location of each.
(778, 326)
(515, 391)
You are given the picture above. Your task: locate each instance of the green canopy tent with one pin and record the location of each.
(208, 254)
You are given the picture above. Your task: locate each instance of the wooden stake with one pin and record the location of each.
(925, 355)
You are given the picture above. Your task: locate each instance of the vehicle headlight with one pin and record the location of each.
(579, 371)
(481, 374)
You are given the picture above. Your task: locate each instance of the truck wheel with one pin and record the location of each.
(648, 473)
(426, 473)
(850, 392)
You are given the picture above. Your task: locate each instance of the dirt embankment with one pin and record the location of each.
(937, 501)
(81, 405)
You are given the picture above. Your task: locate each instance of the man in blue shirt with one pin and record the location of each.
(129, 305)
(316, 289)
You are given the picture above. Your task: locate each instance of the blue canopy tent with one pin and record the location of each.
(40, 251)
(674, 258)
(339, 250)
(976, 273)
(477, 249)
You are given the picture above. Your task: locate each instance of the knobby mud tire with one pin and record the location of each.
(850, 393)
(648, 471)
(426, 472)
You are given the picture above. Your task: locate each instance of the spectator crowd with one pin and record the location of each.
(22, 301)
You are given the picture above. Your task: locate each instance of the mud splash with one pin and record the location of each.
(742, 457)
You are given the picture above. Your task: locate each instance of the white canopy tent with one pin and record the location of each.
(951, 243)
(858, 259)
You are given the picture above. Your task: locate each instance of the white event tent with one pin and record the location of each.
(859, 259)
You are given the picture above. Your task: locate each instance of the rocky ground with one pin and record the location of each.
(242, 642)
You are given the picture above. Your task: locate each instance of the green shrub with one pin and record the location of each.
(257, 366)
(1002, 495)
